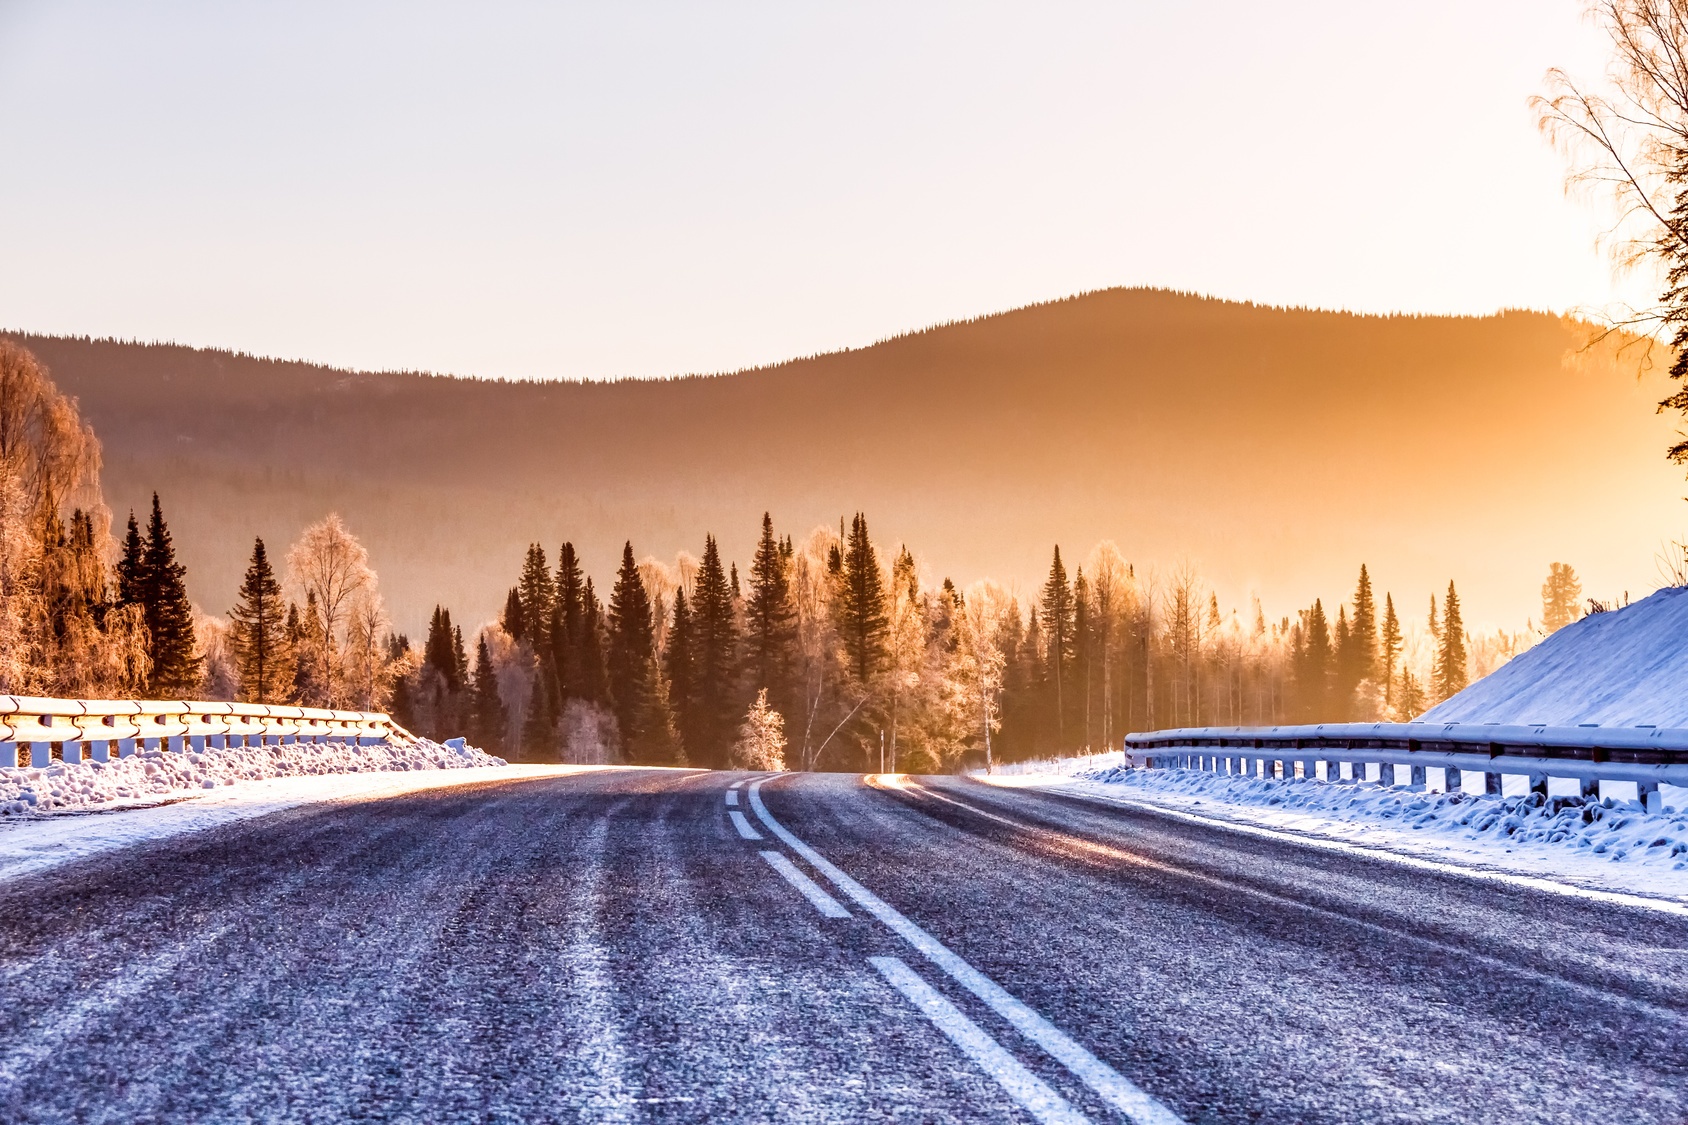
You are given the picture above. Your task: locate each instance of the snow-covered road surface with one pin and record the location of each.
(607, 945)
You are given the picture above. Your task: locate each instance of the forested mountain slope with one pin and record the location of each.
(1276, 448)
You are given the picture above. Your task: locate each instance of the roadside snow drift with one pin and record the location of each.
(154, 774)
(1627, 667)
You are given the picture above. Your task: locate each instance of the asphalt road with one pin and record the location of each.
(612, 947)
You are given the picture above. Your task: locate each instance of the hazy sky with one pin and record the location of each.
(640, 189)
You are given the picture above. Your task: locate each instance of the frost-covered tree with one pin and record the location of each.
(761, 738)
(332, 569)
(1561, 597)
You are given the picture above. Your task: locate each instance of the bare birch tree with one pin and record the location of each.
(331, 568)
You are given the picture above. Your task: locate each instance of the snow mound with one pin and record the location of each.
(152, 774)
(1614, 830)
(1627, 667)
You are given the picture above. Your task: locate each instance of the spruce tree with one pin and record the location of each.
(304, 634)
(714, 670)
(632, 646)
(657, 742)
(487, 717)
(1451, 653)
(1316, 665)
(259, 623)
(538, 595)
(403, 705)
(132, 567)
(1389, 649)
(566, 622)
(594, 674)
(512, 618)
(769, 619)
(169, 614)
(1058, 644)
(1363, 631)
(678, 664)
(439, 650)
(459, 655)
(862, 620)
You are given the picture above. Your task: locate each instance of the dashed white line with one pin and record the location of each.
(744, 828)
(1113, 1087)
(1032, 1092)
(732, 797)
(736, 784)
(811, 890)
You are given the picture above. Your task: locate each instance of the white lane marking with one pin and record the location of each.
(735, 784)
(1535, 883)
(743, 826)
(1032, 1092)
(822, 901)
(1113, 1087)
(732, 797)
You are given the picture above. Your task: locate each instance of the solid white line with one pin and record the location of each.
(732, 797)
(823, 902)
(1533, 882)
(743, 826)
(1113, 1087)
(1032, 1092)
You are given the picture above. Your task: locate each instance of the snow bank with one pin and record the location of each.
(1627, 667)
(152, 775)
(1616, 830)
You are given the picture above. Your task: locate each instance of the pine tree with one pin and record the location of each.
(567, 625)
(714, 646)
(862, 621)
(632, 647)
(459, 655)
(486, 717)
(1451, 653)
(403, 705)
(769, 619)
(1343, 663)
(1390, 644)
(1058, 643)
(169, 614)
(657, 742)
(1083, 625)
(132, 567)
(259, 624)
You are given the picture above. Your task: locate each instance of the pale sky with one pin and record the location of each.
(644, 189)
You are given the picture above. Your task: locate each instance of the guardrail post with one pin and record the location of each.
(8, 753)
(1419, 780)
(70, 752)
(100, 751)
(125, 748)
(1452, 782)
(197, 743)
(176, 744)
(1647, 792)
(1538, 783)
(1589, 788)
(40, 754)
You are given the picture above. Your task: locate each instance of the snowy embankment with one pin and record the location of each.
(1609, 845)
(152, 775)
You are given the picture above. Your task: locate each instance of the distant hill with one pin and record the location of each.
(1278, 448)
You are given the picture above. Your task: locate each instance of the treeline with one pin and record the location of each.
(868, 665)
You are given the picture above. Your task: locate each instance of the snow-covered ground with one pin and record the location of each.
(37, 841)
(1608, 845)
(1624, 668)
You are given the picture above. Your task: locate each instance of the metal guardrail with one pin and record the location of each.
(96, 726)
(1647, 756)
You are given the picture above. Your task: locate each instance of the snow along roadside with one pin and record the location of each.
(1607, 847)
(34, 843)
